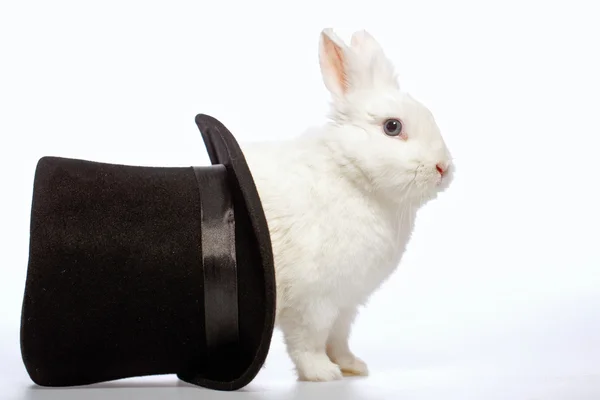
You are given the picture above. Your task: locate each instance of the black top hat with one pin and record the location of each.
(137, 271)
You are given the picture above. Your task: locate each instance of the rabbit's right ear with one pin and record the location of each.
(379, 70)
(365, 44)
(333, 59)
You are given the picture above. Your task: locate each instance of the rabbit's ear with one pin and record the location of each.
(364, 43)
(369, 53)
(334, 62)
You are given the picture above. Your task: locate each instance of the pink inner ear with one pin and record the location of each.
(336, 59)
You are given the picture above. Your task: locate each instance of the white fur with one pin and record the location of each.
(341, 202)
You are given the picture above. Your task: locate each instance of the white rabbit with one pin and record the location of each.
(341, 202)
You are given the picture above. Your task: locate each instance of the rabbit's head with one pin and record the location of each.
(381, 134)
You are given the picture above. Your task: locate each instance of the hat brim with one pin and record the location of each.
(256, 280)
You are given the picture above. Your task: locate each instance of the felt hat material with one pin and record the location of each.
(137, 271)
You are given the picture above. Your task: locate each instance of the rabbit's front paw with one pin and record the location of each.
(317, 368)
(351, 365)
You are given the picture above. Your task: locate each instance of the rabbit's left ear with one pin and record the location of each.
(334, 62)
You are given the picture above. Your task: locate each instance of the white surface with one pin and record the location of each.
(498, 296)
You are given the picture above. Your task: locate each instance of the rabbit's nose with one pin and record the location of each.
(440, 168)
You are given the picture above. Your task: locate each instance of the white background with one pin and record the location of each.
(498, 295)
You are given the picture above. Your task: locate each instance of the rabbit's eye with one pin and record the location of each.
(392, 127)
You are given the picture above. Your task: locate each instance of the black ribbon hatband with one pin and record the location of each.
(218, 258)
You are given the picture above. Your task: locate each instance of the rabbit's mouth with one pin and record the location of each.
(427, 182)
(446, 178)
